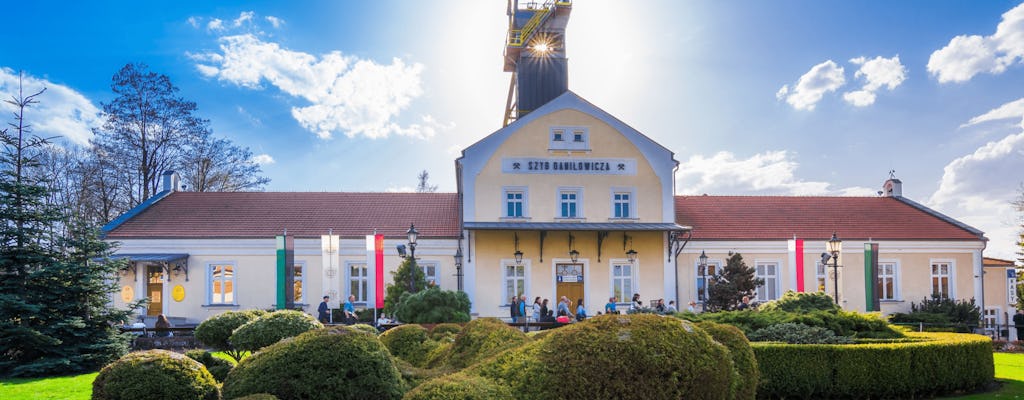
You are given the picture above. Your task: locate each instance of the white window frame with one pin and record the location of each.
(714, 266)
(762, 291)
(521, 288)
(568, 140)
(504, 201)
(895, 276)
(233, 279)
(579, 202)
(301, 280)
(365, 282)
(631, 203)
(634, 269)
(950, 276)
(436, 276)
(990, 317)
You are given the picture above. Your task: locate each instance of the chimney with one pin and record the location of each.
(172, 183)
(892, 188)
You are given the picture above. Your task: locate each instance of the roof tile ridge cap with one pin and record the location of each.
(941, 216)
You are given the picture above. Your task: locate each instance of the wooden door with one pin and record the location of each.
(570, 284)
(155, 290)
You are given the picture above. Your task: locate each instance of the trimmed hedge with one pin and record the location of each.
(794, 333)
(445, 331)
(744, 365)
(268, 329)
(409, 342)
(482, 338)
(801, 302)
(155, 375)
(843, 323)
(216, 331)
(218, 367)
(459, 387)
(637, 356)
(941, 363)
(365, 328)
(258, 396)
(325, 364)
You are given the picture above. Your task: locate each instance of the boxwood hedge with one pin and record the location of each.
(939, 363)
(459, 387)
(155, 375)
(482, 338)
(268, 329)
(409, 342)
(744, 365)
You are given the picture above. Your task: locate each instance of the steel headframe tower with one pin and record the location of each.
(535, 55)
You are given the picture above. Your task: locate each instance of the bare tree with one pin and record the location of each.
(424, 185)
(216, 165)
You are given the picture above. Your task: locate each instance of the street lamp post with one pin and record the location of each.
(703, 264)
(413, 234)
(835, 246)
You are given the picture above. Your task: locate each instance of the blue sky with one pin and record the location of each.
(767, 97)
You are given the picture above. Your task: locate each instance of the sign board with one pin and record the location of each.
(178, 293)
(127, 294)
(569, 166)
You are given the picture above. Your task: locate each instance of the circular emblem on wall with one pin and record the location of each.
(127, 294)
(178, 293)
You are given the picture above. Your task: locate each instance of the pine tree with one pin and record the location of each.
(727, 288)
(401, 284)
(54, 317)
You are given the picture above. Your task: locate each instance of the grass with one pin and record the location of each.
(1009, 372)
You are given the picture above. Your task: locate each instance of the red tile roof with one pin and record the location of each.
(996, 262)
(780, 218)
(266, 214)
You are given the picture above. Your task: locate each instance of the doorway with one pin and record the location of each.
(155, 289)
(569, 278)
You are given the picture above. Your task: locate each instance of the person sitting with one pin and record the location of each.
(636, 303)
(161, 325)
(563, 317)
(581, 312)
(659, 306)
(609, 308)
(671, 309)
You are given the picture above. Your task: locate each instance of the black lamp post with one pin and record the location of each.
(702, 262)
(834, 247)
(413, 234)
(573, 254)
(458, 266)
(518, 254)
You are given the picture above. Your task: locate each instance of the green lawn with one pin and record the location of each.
(1009, 371)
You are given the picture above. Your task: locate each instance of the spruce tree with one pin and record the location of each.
(54, 315)
(727, 287)
(401, 284)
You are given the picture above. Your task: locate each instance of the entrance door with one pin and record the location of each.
(155, 289)
(570, 284)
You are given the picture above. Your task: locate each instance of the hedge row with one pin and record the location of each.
(939, 363)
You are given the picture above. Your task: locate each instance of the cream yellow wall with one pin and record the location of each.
(490, 249)
(997, 292)
(532, 140)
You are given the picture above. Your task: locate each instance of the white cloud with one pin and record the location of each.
(263, 159)
(966, 56)
(243, 17)
(347, 94)
(61, 111)
(275, 21)
(877, 73)
(1011, 110)
(400, 189)
(193, 21)
(978, 189)
(768, 173)
(809, 89)
(215, 25)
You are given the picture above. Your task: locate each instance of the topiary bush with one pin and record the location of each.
(744, 365)
(950, 315)
(218, 367)
(268, 329)
(325, 364)
(409, 342)
(216, 331)
(155, 375)
(794, 333)
(939, 363)
(639, 356)
(843, 323)
(459, 387)
(801, 302)
(365, 328)
(445, 331)
(481, 338)
(433, 306)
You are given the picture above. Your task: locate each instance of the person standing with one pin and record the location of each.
(350, 310)
(536, 309)
(324, 311)
(513, 309)
(1018, 321)
(544, 312)
(522, 308)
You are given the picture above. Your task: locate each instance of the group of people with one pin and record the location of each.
(562, 313)
(348, 311)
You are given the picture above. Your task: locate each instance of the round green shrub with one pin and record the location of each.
(482, 338)
(636, 356)
(268, 329)
(365, 328)
(155, 375)
(325, 364)
(218, 367)
(794, 333)
(216, 331)
(408, 342)
(459, 387)
(744, 365)
(445, 331)
(433, 306)
(801, 302)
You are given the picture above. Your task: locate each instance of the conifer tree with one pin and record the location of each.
(401, 284)
(727, 287)
(54, 317)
